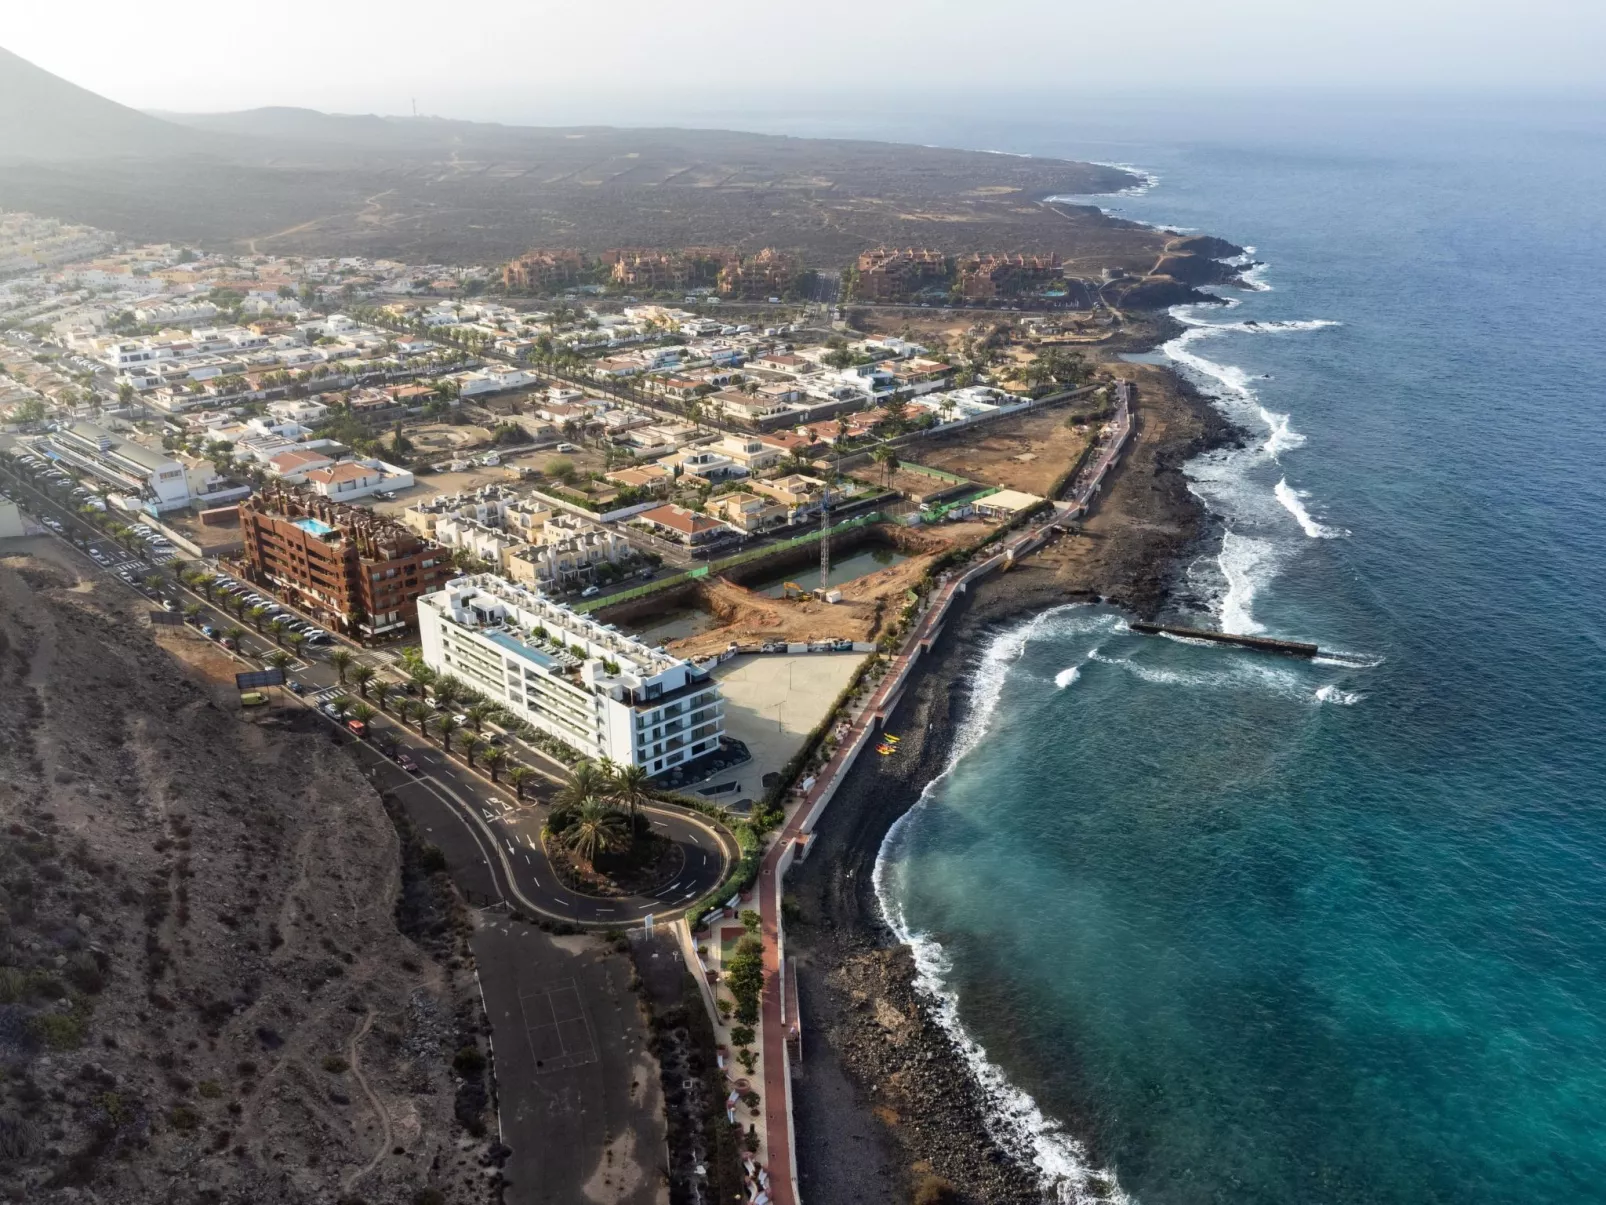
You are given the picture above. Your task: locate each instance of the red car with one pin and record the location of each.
(407, 763)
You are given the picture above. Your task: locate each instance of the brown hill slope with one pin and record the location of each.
(203, 992)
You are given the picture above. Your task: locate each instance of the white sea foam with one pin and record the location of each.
(1014, 1120)
(1235, 672)
(1348, 660)
(1293, 502)
(1246, 564)
(1344, 698)
(1067, 676)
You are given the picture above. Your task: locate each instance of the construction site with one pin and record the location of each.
(779, 600)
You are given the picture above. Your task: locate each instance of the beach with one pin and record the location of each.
(885, 1103)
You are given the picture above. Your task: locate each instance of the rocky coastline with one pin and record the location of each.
(886, 1107)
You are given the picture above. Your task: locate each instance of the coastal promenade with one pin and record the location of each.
(777, 1019)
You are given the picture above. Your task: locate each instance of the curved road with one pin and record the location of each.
(492, 843)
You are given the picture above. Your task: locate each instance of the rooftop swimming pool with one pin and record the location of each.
(316, 527)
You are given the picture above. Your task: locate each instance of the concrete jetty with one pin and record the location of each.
(1288, 648)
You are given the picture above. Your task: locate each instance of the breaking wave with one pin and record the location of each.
(1292, 501)
(1013, 1118)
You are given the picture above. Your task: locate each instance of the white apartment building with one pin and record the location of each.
(598, 690)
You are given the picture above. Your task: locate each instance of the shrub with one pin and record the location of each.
(59, 1031)
(751, 919)
(469, 1061)
(183, 1118)
(335, 1064)
(743, 1035)
(745, 978)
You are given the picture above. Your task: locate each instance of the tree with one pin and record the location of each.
(257, 615)
(341, 659)
(888, 460)
(233, 632)
(339, 708)
(478, 714)
(446, 725)
(585, 782)
(362, 675)
(279, 659)
(277, 627)
(446, 691)
(154, 581)
(361, 712)
(192, 612)
(595, 829)
(517, 777)
(382, 693)
(409, 710)
(471, 747)
(492, 760)
(745, 978)
(629, 790)
(295, 640)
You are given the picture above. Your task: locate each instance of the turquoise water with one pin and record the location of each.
(1232, 928)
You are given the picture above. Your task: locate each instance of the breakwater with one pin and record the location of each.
(1267, 644)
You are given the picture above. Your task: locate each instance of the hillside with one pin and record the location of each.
(42, 116)
(433, 190)
(203, 991)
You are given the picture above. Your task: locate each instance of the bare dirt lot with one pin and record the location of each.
(202, 981)
(868, 603)
(1026, 452)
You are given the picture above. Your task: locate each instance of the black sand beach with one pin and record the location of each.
(885, 1107)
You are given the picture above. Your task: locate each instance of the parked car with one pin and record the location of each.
(208, 630)
(253, 698)
(296, 688)
(357, 726)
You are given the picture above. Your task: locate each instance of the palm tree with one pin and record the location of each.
(279, 659)
(517, 777)
(277, 627)
(295, 640)
(233, 632)
(629, 789)
(595, 829)
(341, 660)
(382, 693)
(236, 604)
(256, 615)
(340, 707)
(585, 782)
(153, 581)
(493, 760)
(446, 725)
(471, 745)
(421, 676)
(446, 691)
(192, 612)
(408, 710)
(362, 712)
(478, 714)
(362, 676)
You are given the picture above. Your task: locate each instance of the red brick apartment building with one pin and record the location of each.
(538, 270)
(349, 568)
(989, 276)
(896, 274)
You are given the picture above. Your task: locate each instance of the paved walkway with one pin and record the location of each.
(774, 1020)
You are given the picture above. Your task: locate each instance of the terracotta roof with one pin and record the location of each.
(342, 472)
(678, 519)
(290, 461)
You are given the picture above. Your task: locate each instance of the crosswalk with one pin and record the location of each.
(327, 695)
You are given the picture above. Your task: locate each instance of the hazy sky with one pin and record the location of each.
(638, 60)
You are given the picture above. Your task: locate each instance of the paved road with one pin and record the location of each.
(505, 860)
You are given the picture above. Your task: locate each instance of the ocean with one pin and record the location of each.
(1219, 926)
